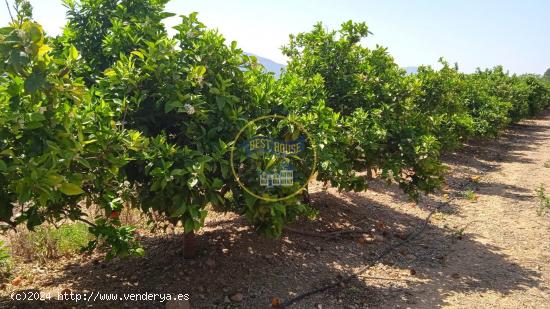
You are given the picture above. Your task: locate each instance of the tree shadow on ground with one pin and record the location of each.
(233, 259)
(486, 154)
(481, 156)
(482, 267)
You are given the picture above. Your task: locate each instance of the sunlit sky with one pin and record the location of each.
(472, 33)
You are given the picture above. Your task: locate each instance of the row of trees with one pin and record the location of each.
(115, 111)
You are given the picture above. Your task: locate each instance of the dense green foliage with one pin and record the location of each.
(104, 30)
(438, 94)
(381, 126)
(188, 95)
(60, 147)
(116, 111)
(544, 200)
(50, 242)
(5, 262)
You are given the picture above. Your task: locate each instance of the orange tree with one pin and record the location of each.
(494, 100)
(378, 125)
(438, 93)
(103, 30)
(189, 96)
(60, 148)
(157, 122)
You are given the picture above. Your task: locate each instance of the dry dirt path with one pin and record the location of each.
(485, 247)
(505, 262)
(498, 252)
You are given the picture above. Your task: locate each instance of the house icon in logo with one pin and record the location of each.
(282, 178)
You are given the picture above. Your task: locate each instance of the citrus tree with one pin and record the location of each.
(438, 93)
(104, 30)
(115, 111)
(188, 95)
(538, 96)
(60, 147)
(489, 101)
(380, 127)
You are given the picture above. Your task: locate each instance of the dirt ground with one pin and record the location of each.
(486, 247)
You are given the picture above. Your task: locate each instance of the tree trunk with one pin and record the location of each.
(189, 245)
(305, 197)
(369, 174)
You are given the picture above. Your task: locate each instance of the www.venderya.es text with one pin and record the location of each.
(96, 296)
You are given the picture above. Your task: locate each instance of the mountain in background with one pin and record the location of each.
(411, 70)
(270, 65)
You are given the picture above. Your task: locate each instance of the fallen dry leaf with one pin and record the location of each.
(237, 297)
(275, 302)
(16, 281)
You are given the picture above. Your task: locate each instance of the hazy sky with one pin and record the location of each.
(473, 33)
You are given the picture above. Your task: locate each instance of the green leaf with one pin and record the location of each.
(36, 117)
(34, 82)
(179, 212)
(84, 162)
(53, 180)
(139, 252)
(73, 53)
(250, 200)
(164, 15)
(225, 169)
(138, 54)
(6, 30)
(177, 172)
(109, 73)
(44, 49)
(204, 159)
(168, 107)
(3, 166)
(217, 184)
(7, 152)
(70, 189)
(199, 70)
(189, 225)
(36, 33)
(220, 101)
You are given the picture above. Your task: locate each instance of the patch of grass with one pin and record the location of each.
(544, 201)
(459, 233)
(71, 237)
(469, 194)
(5, 262)
(48, 242)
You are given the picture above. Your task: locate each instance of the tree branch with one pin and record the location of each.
(86, 221)
(9, 10)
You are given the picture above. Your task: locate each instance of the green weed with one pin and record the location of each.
(5, 262)
(48, 242)
(469, 194)
(544, 201)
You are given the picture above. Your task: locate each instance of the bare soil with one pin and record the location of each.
(485, 247)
